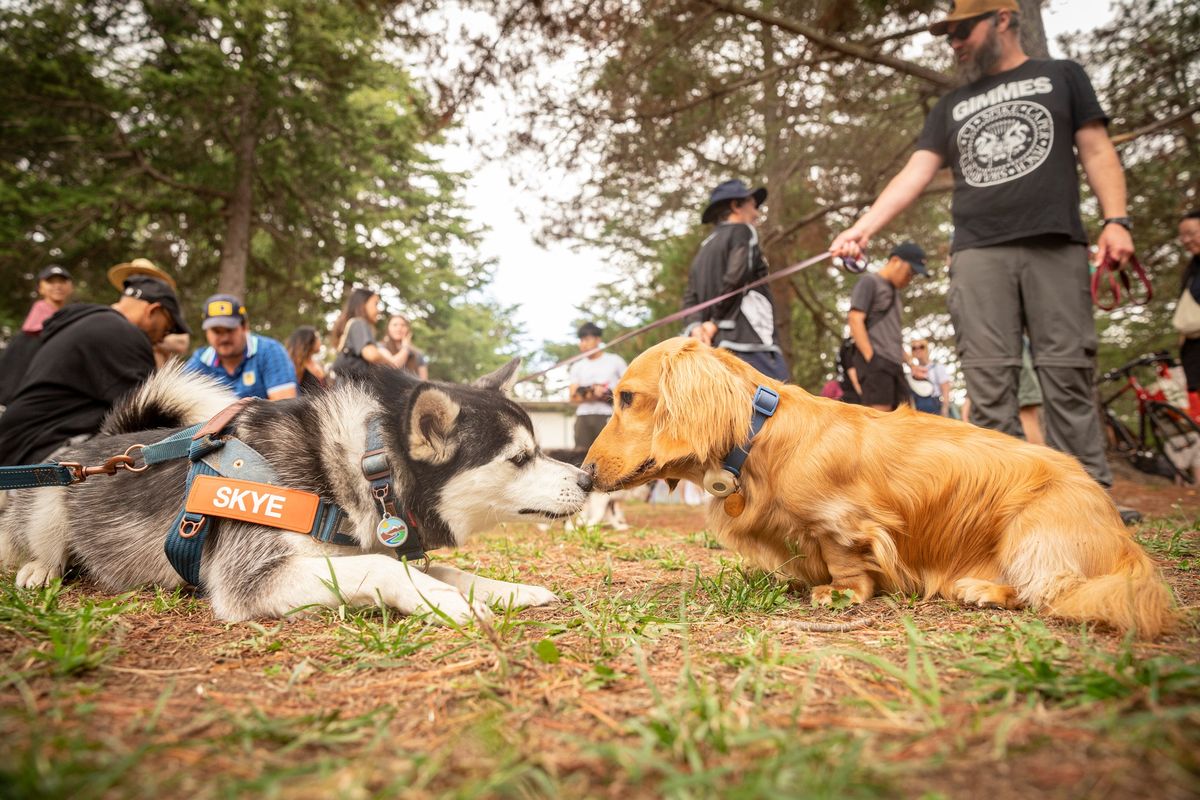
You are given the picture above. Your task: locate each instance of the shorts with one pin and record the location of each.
(587, 428)
(882, 382)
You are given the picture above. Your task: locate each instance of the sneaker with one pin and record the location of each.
(1130, 516)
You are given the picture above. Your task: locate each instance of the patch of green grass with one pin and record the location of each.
(919, 678)
(610, 622)
(1028, 663)
(381, 637)
(66, 639)
(1177, 541)
(706, 738)
(735, 589)
(705, 539)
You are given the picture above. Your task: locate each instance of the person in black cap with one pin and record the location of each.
(728, 260)
(90, 355)
(54, 289)
(875, 326)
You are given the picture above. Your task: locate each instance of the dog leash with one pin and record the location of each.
(1110, 269)
(848, 264)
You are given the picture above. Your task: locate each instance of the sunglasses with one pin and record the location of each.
(963, 29)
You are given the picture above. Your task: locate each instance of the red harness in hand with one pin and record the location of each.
(1109, 270)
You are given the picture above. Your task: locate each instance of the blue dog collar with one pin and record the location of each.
(765, 402)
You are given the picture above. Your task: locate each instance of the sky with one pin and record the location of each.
(546, 284)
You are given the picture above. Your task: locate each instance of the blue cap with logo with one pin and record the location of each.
(223, 311)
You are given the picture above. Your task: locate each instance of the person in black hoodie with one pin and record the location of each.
(90, 355)
(728, 260)
(1189, 349)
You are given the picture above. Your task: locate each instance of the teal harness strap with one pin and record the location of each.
(32, 476)
(231, 458)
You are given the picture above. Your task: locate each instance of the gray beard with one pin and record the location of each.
(986, 57)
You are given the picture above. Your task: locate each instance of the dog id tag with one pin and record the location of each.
(735, 504)
(392, 531)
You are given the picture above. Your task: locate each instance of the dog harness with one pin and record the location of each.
(229, 479)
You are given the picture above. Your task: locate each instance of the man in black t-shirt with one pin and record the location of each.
(1019, 254)
(90, 356)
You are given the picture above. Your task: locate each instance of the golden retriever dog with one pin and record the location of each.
(847, 499)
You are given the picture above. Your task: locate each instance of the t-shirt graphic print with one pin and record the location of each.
(1005, 142)
(1009, 139)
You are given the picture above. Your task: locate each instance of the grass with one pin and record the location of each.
(669, 669)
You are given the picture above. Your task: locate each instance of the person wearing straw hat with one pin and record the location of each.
(1010, 134)
(90, 356)
(174, 344)
(729, 259)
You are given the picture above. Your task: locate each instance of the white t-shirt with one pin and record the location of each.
(604, 370)
(938, 374)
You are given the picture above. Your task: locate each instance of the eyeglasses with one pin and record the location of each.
(963, 29)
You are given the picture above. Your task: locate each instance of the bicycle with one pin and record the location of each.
(1167, 437)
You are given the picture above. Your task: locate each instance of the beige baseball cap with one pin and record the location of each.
(139, 266)
(966, 9)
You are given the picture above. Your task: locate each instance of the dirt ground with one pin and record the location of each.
(666, 670)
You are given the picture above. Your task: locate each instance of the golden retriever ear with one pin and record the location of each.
(703, 408)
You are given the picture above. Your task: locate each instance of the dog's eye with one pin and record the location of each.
(626, 399)
(520, 459)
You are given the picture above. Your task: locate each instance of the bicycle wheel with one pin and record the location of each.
(1119, 438)
(1176, 437)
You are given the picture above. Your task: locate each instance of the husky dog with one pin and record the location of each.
(463, 458)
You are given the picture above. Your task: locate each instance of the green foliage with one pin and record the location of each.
(65, 639)
(279, 141)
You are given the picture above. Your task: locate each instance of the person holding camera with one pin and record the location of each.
(592, 382)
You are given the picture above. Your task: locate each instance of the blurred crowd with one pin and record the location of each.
(63, 371)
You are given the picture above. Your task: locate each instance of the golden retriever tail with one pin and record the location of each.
(1130, 597)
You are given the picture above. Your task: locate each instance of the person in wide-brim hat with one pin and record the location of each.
(139, 266)
(730, 190)
(969, 9)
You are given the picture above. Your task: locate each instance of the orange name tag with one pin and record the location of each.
(260, 503)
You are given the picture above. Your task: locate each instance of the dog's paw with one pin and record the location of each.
(533, 596)
(985, 594)
(449, 607)
(37, 574)
(828, 595)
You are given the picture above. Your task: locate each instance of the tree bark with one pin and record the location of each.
(773, 166)
(239, 211)
(1033, 32)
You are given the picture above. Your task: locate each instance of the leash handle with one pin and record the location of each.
(856, 266)
(1116, 275)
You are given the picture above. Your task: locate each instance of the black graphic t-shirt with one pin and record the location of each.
(1010, 141)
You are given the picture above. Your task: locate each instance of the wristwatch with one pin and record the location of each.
(1124, 222)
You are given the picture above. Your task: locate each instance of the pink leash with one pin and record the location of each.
(1110, 269)
(848, 264)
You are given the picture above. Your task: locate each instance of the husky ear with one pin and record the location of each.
(502, 379)
(431, 423)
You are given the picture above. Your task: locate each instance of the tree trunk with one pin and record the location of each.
(781, 294)
(239, 212)
(1033, 32)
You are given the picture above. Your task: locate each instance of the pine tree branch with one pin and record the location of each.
(1157, 125)
(852, 49)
